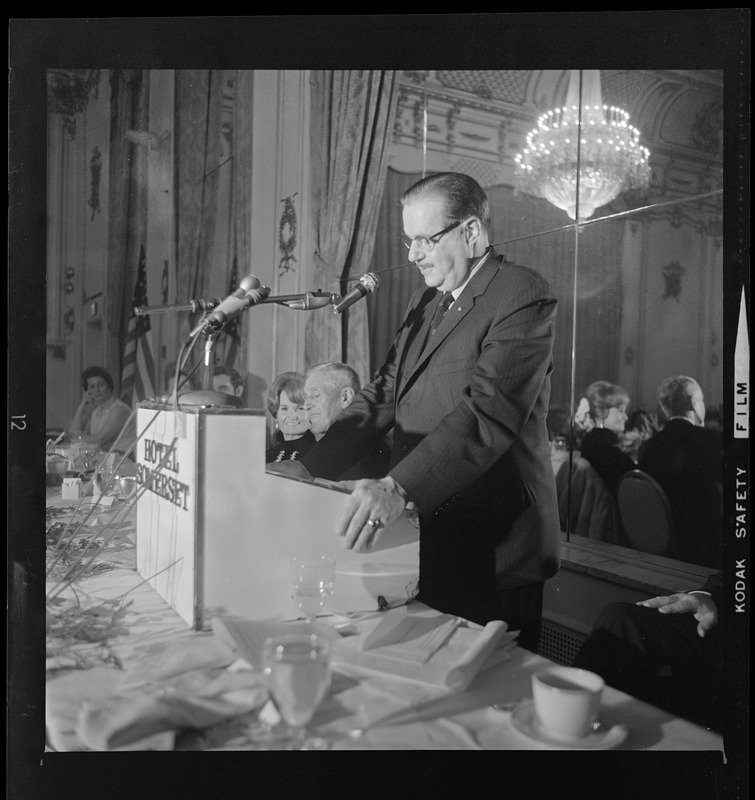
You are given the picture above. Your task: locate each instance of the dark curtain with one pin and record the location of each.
(127, 206)
(386, 307)
(198, 150)
(352, 122)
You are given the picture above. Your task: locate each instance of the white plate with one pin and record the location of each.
(525, 721)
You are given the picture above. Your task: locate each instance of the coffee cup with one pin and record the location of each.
(567, 700)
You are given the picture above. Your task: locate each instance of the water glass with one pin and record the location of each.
(298, 675)
(86, 460)
(106, 479)
(312, 580)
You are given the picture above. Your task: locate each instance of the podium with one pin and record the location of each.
(215, 531)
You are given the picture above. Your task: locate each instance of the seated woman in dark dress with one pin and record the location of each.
(602, 414)
(286, 405)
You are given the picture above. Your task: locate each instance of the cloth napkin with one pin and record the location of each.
(117, 721)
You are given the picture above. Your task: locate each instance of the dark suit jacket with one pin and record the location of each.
(601, 448)
(687, 461)
(468, 416)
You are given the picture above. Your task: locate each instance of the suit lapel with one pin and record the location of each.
(416, 356)
(417, 326)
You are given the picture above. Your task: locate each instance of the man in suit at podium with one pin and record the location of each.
(465, 389)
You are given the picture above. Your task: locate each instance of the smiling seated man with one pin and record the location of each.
(329, 389)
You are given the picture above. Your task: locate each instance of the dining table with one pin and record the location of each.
(103, 686)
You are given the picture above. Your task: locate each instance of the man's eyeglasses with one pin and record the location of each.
(427, 243)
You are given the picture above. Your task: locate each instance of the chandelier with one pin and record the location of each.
(611, 158)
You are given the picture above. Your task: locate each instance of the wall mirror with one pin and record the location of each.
(212, 169)
(639, 281)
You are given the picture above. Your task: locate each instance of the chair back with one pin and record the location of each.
(646, 514)
(585, 506)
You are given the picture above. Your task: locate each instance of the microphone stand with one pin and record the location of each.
(303, 302)
(207, 396)
(192, 305)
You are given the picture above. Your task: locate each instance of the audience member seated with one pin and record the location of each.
(100, 415)
(687, 461)
(667, 651)
(227, 380)
(639, 427)
(602, 414)
(330, 388)
(286, 405)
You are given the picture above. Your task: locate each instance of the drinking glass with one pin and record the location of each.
(86, 461)
(312, 579)
(297, 672)
(106, 479)
(124, 487)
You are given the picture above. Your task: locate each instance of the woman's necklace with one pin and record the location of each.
(104, 408)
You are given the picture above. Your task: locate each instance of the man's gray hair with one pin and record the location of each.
(339, 375)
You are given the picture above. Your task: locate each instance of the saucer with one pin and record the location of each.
(525, 721)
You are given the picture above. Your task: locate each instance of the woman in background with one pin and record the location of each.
(602, 413)
(286, 405)
(100, 415)
(639, 427)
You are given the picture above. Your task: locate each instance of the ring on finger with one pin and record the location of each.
(374, 523)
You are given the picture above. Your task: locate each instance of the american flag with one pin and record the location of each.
(138, 373)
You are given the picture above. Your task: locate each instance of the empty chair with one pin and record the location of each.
(645, 514)
(585, 506)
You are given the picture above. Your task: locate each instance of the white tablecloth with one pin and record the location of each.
(158, 646)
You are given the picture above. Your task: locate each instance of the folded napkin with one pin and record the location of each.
(405, 644)
(464, 670)
(118, 721)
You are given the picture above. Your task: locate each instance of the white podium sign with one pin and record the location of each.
(215, 531)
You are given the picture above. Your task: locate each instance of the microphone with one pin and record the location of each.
(249, 293)
(304, 302)
(367, 283)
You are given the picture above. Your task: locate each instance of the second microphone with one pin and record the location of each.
(368, 283)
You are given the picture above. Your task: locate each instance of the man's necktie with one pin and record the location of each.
(445, 303)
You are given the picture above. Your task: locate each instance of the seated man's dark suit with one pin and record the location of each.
(374, 464)
(687, 461)
(660, 658)
(470, 445)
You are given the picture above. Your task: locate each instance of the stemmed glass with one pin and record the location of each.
(312, 579)
(106, 479)
(297, 671)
